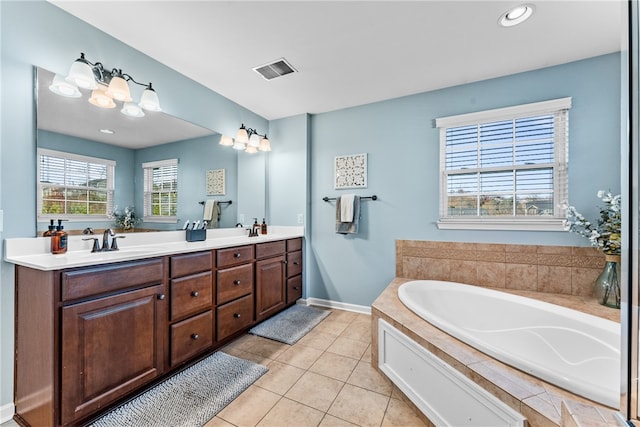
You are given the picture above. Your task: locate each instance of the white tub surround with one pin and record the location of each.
(35, 252)
(540, 402)
(573, 350)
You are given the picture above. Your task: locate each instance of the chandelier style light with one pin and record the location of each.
(247, 139)
(106, 87)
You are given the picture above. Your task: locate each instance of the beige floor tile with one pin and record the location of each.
(359, 406)
(366, 377)
(290, 413)
(334, 366)
(366, 357)
(267, 348)
(300, 356)
(331, 421)
(315, 390)
(399, 414)
(248, 356)
(317, 339)
(213, 422)
(280, 377)
(342, 316)
(250, 407)
(348, 347)
(358, 330)
(333, 327)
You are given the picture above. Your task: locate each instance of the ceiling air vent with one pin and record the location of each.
(275, 69)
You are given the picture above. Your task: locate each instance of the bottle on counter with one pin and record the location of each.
(50, 231)
(263, 227)
(59, 240)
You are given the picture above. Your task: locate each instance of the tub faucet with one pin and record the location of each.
(105, 238)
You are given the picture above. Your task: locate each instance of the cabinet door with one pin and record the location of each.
(270, 287)
(110, 346)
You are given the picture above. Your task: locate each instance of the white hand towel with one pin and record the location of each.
(208, 210)
(346, 207)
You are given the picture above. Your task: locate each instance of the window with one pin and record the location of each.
(505, 169)
(161, 191)
(75, 187)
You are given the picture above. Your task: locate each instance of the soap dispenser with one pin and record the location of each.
(59, 240)
(263, 227)
(50, 231)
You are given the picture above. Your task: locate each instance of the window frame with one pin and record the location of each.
(147, 171)
(560, 109)
(110, 190)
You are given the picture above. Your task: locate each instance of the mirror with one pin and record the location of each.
(72, 125)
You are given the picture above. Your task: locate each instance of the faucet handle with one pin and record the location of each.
(114, 242)
(96, 245)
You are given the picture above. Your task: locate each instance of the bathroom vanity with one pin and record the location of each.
(92, 334)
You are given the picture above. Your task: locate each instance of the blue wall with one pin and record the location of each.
(403, 153)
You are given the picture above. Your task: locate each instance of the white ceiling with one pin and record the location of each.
(351, 53)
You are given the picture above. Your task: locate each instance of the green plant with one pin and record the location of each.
(606, 233)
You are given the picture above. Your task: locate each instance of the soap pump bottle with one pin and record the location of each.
(50, 231)
(59, 240)
(263, 227)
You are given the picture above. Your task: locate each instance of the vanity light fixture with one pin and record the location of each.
(247, 139)
(107, 86)
(516, 15)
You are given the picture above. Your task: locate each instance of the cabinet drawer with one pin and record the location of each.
(294, 244)
(294, 289)
(294, 263)
(111, 277)
(268, 249)
(191, 294)
(234, 256)
(181, 265)
(234, 282)
(234, 316)
(191, 336)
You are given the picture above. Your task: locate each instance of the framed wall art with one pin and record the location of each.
(350, 171)
(216, 182)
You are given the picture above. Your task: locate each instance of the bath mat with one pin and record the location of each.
(191, 397)
(290, 325)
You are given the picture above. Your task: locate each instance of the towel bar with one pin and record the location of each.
(227, 201)
(374, 197)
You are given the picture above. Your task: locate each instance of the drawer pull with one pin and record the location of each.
(194, 294)
(160, 296)
(236, 315)
(296, 263)
(237, 255)
(236, 282)
(295, 288)
(195, 336)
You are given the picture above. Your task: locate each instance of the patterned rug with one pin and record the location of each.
(190, 398)
(290, 325)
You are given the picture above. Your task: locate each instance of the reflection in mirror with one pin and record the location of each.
(72, 125)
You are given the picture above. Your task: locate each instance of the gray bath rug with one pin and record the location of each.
(190, 398)
(290, 325)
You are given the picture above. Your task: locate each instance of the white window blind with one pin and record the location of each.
(71, 186)
(161, 191)
(505, 168)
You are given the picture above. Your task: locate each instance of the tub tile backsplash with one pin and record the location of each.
(557, 269)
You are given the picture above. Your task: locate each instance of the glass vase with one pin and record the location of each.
(607, 285)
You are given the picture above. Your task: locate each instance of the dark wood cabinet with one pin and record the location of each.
(294, 270)
(270, 279)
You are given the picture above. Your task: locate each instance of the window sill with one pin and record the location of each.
(505, 224)
(161, 219)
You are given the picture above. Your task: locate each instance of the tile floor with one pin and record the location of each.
(325, 379)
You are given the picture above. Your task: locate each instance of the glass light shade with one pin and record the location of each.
(149, 100)
(265, 145)
(119, 89)
(242, 135)
(100, 99)
(132, 110)
(226, 140)
(62, 87)
(81, 75)
(251, 149)
(237, 145)
(254, 140)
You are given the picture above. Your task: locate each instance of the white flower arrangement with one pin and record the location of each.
(126, 219)
(606, 234)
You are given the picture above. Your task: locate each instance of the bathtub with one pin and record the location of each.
(570, 349)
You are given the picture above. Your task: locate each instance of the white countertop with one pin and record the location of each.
(35, 252)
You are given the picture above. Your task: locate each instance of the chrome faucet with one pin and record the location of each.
(105, 238)
(105, 242)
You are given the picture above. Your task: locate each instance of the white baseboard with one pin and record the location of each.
(6, 412)
(338, 305)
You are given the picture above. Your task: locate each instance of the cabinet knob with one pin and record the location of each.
(160, 296)
(236, 282)
(296, 263)
(237, 255)
(284, 262)
(236, 315)
(195, 336)
(295, 288)
(194, 294)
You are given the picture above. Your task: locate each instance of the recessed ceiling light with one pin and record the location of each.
(516, 15)
(107, 131)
